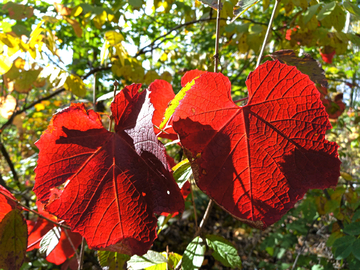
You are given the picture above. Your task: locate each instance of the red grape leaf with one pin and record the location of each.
(190, 75)
(117, 181)
(37, 230)
(256, 161)
(161, 93)
(13, 236)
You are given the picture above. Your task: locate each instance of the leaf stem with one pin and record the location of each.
(216, 56)
(81, 259)
(241, 99)
(267, 32)
(72, 244)
(36, 213)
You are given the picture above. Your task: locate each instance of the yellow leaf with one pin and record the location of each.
(75, 25)
(121, 52)
(39, 107)
(164, 57)
(76, 85)
(181, 163)
(5, 64)
(175, 103)
(19, 63)
(76, 11)
(7, 106)
(346, 176)
(100, 19)
(104, 52)
(46, 102)
(57, 103)
(113, 37)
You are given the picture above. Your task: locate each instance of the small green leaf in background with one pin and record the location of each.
(356, 249)
(343, 247)
(151, 258)
(13, 240)
(353, 9)
(352, 228)
(50, 241)
(243, 6)
(194, 254)
(76, 85)
(310, 13)
(182, 172)
(211, 3)
(112, 260)
(224, 251)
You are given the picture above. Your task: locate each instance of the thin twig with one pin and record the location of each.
(303, 247)
(72, 244)
(58, 90)
(36, 213)
(11, 164)
(81, 259)
(151, 45)
(94, 92)
(241, 99)
(194, 206)
(216, 56)
(205, 218)
(267, 32)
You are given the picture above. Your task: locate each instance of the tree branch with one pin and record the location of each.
(10, 163)
(151, 45)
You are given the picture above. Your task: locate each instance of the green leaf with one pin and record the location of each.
(356, 249)
(224, 251)
(353, 9)
(211, 3)
(342, 253)
(342, 242)
(194, 254)
(310, 13)
(151, 258)
(112, 260)
(76, 85)
(13, 240)
(50, 241)
(182, 172)
(326, 10)
(332, 15)
(356, 215)
(242, 6)
(352, 228)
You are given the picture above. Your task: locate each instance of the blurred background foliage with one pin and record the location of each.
(52, 54)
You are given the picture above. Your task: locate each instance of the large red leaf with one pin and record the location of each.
(161, 93)
(256, 161)
(117, 181)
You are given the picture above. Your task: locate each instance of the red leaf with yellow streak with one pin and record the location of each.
(258, 160)
(114, 182)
